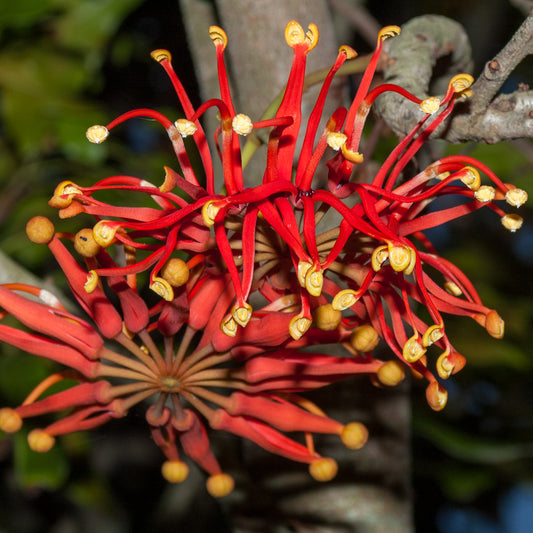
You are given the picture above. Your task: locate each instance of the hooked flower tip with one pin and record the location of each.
(298, 326)
(218, 36)
(162, 288)
(461, 82)
(388, 31)
(295, 35)
(160, 55)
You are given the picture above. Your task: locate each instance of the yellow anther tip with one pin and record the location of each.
(104, 233)
(229, 326)
(351, 155)
(298, 326)
(516, 197)
(91, 282)
(402, 258)
(344, 299)
(242, 314)
(162, 288)
(10, 420)
(512, 222)
(433, 334)
(336, 140)
(444, 366)
(364, 338)
(242, 124)
(219, 485)
(430, 105)
(40, 441)
(209, 213)
(485, 194)
(314, 280)
(326, 318)
(218, 36)
(391, 373)
(295, 35)
(160, 55)
(354, 435)
(185, 127)
(62, 195)
(40, 230)
(348, 51)
(379, 256)
(174, 471)
(324, 469)
(388, 31)
(461, 82)
(413, 350)
(97, 134)
(303, 269)
(471, 178)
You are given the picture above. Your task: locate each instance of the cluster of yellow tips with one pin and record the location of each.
(401, 258)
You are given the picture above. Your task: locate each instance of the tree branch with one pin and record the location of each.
(430, 44)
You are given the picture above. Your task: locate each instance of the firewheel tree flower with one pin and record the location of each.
(249, 276)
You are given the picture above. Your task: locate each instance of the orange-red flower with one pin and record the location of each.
(249, 276)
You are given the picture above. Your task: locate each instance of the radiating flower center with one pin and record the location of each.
(170, 383)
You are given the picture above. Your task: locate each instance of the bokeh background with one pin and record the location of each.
(68, 64)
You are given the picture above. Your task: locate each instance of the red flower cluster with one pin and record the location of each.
(249, 276)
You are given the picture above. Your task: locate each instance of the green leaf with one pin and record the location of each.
(22, 13)
(468, 447)
(45, 470)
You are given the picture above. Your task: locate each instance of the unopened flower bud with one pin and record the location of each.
(174, 471)
(323, 469)
(391, 373)
(364, 338)
(219, 485)
(354, 435)
(175, 271)
(10, 420)
(326, 318)
(85, 243)
(40, 230)
(40, 441)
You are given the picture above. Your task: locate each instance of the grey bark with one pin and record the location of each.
(372, 491)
